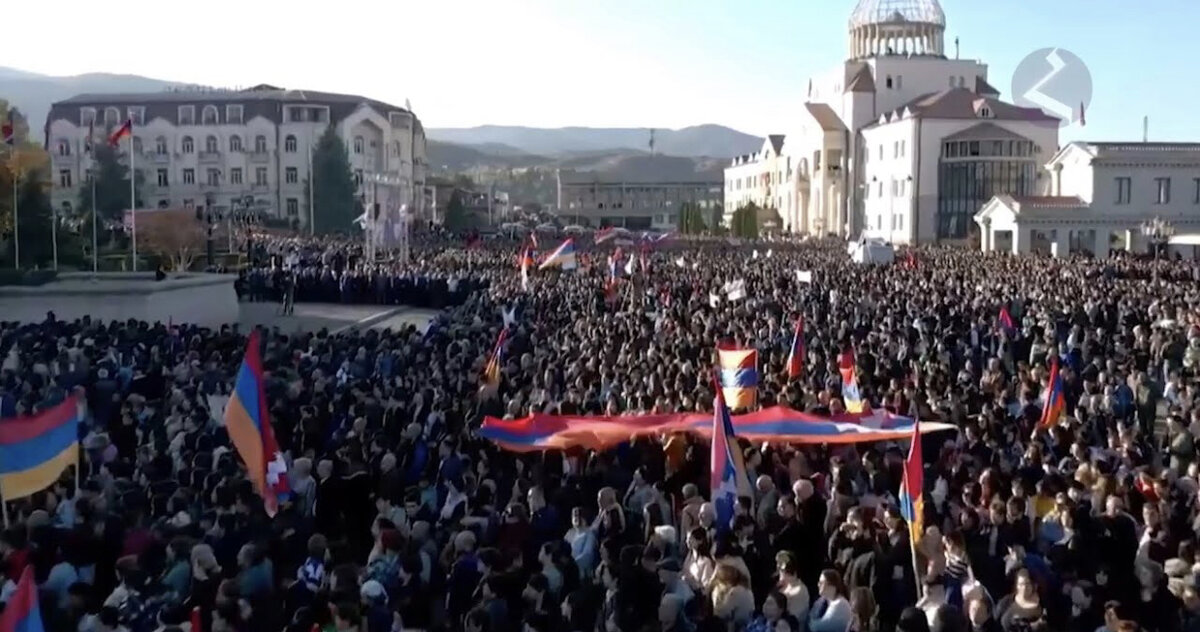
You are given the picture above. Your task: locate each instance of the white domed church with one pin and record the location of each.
(901, 141)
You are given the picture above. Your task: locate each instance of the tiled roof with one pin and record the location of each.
(861, 80)
(776, 141)
(961, 103)
(1049, 201)
(985, 131)
(985, 88)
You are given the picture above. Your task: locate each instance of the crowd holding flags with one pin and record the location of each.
(249, 426)
(728, 470)
(35, 450)
(1056, 402)
(851, 396)
(738, 376)
(797, 354)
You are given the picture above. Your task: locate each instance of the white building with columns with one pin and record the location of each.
(870, 151)
(1100, 194)
(220, 148)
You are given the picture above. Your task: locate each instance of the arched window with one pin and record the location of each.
(187, 146)
(208, 116)
(235, 143)
(64, 147)
(289, 144)
(358, 144)
(210, 144)
(112, 117)
(260, 144)
(160, 145)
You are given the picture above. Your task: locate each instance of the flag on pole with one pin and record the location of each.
(1056, 401)
(526, 261)
(851, 396)
(491, 372)
(796, 356)
(610, 287)
(249, 426)
(738, 376)
(1082, 114)
(87, 142)
(23, 613)
(124, 130)
(1006, 321)
(912, 486)
(36, 449)
(605, 234)
(563, 256)
(728, 478)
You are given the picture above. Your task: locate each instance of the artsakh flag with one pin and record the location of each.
(124, 130)
(728, 478)
(249, 426)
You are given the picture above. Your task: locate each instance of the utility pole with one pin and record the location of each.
(652, 141)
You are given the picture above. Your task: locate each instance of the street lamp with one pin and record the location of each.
(1158, 232)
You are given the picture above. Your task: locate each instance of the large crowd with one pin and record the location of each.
(401, 517)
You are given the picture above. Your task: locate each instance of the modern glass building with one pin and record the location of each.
(971, 172)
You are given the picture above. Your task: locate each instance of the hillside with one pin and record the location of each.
(33, 93)
(700, 140)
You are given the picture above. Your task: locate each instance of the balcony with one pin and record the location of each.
(157, 158)
(259, 156)
(210, 157)
(260, 188)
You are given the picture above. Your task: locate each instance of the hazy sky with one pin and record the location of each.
(551, 63)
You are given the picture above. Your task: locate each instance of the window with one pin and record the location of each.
(64, 178)
(189, 176)
(112, 117)
(214, 177)
(973, 148)
(187, 115)
(164, 203)
(358, 177)
(87, 116)
(235, 175)
(293, 207)
(260, 176)
(210, 144)
(189, 203)
(1196, 197)
(233, 114)
(64, 147)
(358, 144)
(888, 83)
(1162, 187)
(1125, 190)
(291, 175)
(162, 178)
(137, 144)
(260, 144)
(818, 167)
(187, 146)
(896, 149)
(160, 146)
(289, 144)
(137, 114)
(208, 116)
(235, 143)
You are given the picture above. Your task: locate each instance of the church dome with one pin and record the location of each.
(897, 27)
(892, 11)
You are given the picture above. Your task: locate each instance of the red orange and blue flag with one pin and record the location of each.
(35, 450)
(1006, 321)
(22, 613)
(1056, 401)
(563, 256)
(491, 372)
(249, 426)
(912, 486)
(738, 376)
(728, 478)
(851, 396)
(796, 356)
(126, 129)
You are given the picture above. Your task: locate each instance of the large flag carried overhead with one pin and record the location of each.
(563, 256)
(1056, 401)
(35, 450)
(249, 428)
(23, 613)
(738, 376)
(912, 486)
(728, 473)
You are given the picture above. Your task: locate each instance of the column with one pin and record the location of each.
(987, 241)
(1100, 246)
(1133, 241)
(1020, 240)
(1062, 243)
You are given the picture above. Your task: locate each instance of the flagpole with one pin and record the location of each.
(132, 197)
(95, 241)
(16, 228)
(912, 543)
(54, 234)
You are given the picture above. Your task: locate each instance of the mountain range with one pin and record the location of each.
(699, 140)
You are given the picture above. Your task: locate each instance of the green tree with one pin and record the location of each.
(335, 203)
(745, 221)
(718, 217)
(112, 186)
(33, 222)
(456, 214)
(691, 219)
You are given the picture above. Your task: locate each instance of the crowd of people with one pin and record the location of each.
(401, 517)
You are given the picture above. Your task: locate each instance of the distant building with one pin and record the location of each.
(590, 200)
(1100, 195)
(196, 147)
(439, 191)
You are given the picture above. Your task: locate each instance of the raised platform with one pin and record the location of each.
(204, 299)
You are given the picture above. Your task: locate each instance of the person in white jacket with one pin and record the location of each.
(831, 612)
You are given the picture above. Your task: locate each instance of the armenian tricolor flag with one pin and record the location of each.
(1006, 321)
(912, 501)
(124, 130)
(610, 286)
(605, 234)
(249, 428)
(35, 450)
(851, 396)
(491, 372)
(22, 612)
(524, 263)
(728, 477)
(563, 256)
(738, 376)
(1056, 401)
(796, 357)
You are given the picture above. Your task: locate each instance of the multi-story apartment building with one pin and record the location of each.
(223, 149)
(586, 199)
